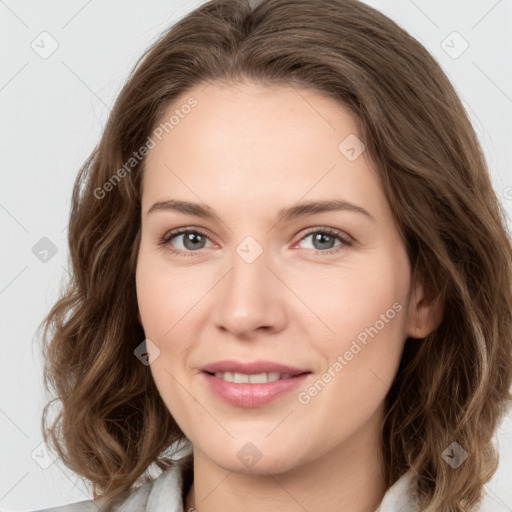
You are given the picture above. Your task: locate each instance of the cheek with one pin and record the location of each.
(163, 311)
(367, 310)
(165, 296)
(362, 360)
(375, 309)
(151, 299)
(349, 299)
(172, 312)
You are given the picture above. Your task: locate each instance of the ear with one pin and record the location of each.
(425, 310)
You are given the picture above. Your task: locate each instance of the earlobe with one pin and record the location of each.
(425, 310)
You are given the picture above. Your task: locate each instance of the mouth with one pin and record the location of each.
(252, 368)
(252, 384)
(254, 378)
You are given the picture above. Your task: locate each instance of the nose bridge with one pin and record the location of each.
(250, 296)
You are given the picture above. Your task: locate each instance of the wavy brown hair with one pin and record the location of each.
(453, 385)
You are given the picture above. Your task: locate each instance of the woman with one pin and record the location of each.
(340, 339)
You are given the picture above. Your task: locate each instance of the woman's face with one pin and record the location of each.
(257, 279)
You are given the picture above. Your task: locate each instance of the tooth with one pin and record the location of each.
(259, 378)
(240, 378)
(228, 376)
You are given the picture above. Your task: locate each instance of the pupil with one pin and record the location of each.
(190, 239)
(319, 237)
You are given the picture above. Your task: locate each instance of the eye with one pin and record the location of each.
(193, 240)
(323, 239)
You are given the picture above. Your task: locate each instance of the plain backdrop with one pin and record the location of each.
(62, 65)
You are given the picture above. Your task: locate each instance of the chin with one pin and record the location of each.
(256, 458)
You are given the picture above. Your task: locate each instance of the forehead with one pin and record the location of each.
(254, 145)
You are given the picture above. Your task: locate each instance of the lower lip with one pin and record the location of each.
(252, 395)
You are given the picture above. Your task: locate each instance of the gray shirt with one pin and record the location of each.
(164, 494)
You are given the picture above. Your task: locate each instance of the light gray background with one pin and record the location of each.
(53, 111)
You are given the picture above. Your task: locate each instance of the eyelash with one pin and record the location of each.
(344, 239)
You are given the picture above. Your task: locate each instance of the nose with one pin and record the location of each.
(250, 298)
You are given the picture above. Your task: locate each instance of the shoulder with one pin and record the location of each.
(81, 506)
(402, 496)
(157, 495)
(136, 501)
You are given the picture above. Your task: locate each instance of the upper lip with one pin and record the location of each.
(251, 367)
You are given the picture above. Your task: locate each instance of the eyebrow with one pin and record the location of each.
(285, 214)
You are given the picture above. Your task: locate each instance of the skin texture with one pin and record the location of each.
(247, 151)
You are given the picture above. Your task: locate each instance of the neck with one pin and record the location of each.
(348, 478)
